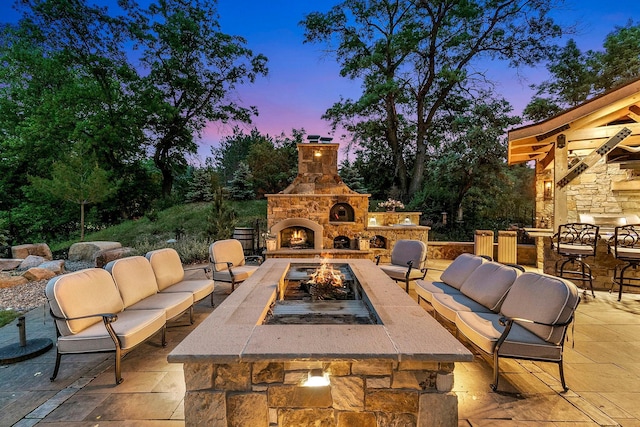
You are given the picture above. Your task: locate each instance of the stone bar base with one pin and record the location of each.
(369, 393)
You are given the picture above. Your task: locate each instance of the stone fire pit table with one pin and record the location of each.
(239, 372)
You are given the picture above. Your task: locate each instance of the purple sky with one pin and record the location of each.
(303, 82)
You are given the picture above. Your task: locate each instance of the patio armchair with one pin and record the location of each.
(408, 262)
(229, 264)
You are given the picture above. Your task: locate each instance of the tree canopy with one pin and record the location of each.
(412, 56)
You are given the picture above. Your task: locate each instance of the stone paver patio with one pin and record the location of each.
(602, 367)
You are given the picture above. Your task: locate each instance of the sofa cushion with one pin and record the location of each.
(173, 303)
(447, 305)
(134, 278)
(398, 272)
(239, 273)
(489, 283)
(542, 298)
(460, 269)
(484, 330)
(167, 267)
(198, 288)
(426, 288)
(132, 327)
(83, 293)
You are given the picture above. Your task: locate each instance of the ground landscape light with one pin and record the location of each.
(317, 378)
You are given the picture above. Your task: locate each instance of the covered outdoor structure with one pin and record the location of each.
(587, 169)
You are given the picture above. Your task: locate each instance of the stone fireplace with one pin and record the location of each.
(319, 214)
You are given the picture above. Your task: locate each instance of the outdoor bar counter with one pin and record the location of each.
(239, 372)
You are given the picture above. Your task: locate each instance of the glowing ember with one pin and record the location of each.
(327, 283)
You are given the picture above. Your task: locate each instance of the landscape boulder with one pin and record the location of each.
(38, 249)
(11, 281)
(86, 251)
(9, 263)
(36, 274)
(31, 261)
(57, 266)
(106, 256)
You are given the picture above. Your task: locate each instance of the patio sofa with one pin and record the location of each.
(503, 311)
(116, 308)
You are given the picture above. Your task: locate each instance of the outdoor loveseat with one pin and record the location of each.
(502, 311)
(116, 308)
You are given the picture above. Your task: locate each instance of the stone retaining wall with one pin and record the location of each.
(361, 393)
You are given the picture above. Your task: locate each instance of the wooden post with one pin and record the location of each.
(560, 169)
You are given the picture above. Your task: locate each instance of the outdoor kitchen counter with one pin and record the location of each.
(233, 332)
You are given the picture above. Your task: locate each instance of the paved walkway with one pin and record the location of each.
(602, 367)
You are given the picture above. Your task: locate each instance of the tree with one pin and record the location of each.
(78, 180)
(241, 186)
(202, 186)
(222, 218)
(192, 68)
(351, 177)
(274, 164)
(411, 56)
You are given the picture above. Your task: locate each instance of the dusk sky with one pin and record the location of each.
(303, 81)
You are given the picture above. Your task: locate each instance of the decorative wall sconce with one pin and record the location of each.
(548, 195)
(317, 153)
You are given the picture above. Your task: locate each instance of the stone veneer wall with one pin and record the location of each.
(591, 192)
(316, 207)
(367, 393)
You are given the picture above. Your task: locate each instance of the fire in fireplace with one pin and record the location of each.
(297, 238)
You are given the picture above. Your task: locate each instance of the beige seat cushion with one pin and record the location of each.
(166, 266)
(132, 327)
(460, 269)
(447, 305)
(398, 272)
(426, 288)
(83, 293)
(409, 250)
(169, 273)
(134, 278)
(173, 303)
(484, 330)
(542, 298)
(240, 273)
(489, 283)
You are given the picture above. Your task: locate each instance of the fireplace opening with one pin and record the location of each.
(378, 242)
(341, 212)
(342, 242)
(297, 238)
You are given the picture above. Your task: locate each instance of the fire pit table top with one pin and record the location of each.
(234, 332)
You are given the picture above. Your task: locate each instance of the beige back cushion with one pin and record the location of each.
(134, 278)
(229, 250)
(460, 269)
(541, 298)
(166, 266)
(489, 283)
(409, 250)
(82, 293)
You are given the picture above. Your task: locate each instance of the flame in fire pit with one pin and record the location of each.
(327, 283)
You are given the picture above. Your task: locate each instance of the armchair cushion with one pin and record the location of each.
(409, 250)
(223, 251)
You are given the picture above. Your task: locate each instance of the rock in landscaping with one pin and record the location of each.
(34, 274)
(9, 263)
(86, 251)
(39, 249)
(31, 261)
(106, 256)
(11, 281)
(57, 266)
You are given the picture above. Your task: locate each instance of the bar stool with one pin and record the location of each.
(575, 242)
(626, 247)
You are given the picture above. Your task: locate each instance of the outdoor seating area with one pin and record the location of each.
(600, 365)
